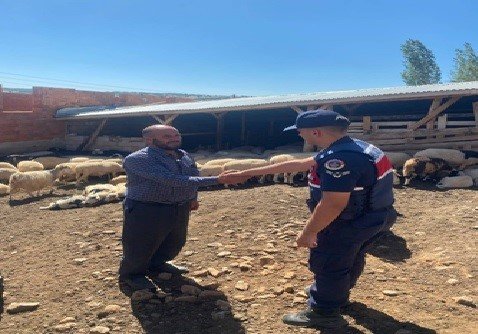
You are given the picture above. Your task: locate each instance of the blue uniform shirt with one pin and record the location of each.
(154, 176)
(344, 171)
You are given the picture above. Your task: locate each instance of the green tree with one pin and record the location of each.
(420, 65)
(466, 64)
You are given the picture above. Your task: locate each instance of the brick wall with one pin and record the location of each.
(17, 102)
(37, 121)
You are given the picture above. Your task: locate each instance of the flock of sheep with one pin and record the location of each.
(451, 168)
(34, 176)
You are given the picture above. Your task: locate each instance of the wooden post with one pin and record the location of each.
(431, 124)
(475, 111)
(243, 128)
(92, 138)
(367, 124)
(441, 125)
(220, 124)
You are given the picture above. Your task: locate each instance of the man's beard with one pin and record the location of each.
(168, 147)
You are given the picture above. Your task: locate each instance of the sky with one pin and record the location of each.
(243, 47)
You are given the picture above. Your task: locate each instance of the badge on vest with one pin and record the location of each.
(334, 164)
(338, 174)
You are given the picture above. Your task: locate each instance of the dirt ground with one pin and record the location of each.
(67, 261)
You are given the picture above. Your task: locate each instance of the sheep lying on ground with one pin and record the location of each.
(462, 181)
(7, 165)
(5, 173)
(423, 167)
(397, 158)
(93, 196)
(96, 168)
(473, 173)
(29, 166)
(118, 180)
(4, 189)
(452, 157)
(96, 188)
(35, 181)
(50, 162)
(121, 190)
(72, 202)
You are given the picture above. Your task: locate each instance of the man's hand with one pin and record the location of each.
(232, 177)
(307, 239)
(194, 205)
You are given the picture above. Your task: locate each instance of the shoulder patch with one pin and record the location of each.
(334, 164)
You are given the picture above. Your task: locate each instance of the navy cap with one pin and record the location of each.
(318, 118)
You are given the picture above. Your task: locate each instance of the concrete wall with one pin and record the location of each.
(107, 143)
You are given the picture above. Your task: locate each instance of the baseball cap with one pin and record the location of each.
(318, 118)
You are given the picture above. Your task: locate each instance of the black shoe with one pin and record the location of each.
(138, 283)
(311, 318)
(168, 267)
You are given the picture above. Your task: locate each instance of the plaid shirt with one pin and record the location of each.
(154, 176)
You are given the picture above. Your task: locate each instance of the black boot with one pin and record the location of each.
(311, 318)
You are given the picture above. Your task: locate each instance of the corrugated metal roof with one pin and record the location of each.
(278, 101)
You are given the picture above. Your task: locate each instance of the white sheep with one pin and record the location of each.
(68, 173)
(473, 173)
(244, 164)
(4, 189)
(462, 181)
(118, 179)
(101, 187)
(5, 173)
(7, 165)
(96, 168)
(121, 190)
(72, 202)
(210, 170)
(453, 157)
(397, 158)
(30, 182)
(50, 162)
(29, 166)
(218, 162)
(79, 159)
(101, 197)
(288, 177)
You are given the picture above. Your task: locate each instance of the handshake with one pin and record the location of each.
(232, 177)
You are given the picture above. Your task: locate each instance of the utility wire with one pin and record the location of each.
(86, 84)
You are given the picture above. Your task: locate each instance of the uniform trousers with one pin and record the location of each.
(339, 258)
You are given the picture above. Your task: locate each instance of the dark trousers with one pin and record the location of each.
(153, 233)
(339, 258)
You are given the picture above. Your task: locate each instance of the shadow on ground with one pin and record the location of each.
(376, 322)
(391, 248)
(183, 313)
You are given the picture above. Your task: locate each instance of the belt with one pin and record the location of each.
(179, 204)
